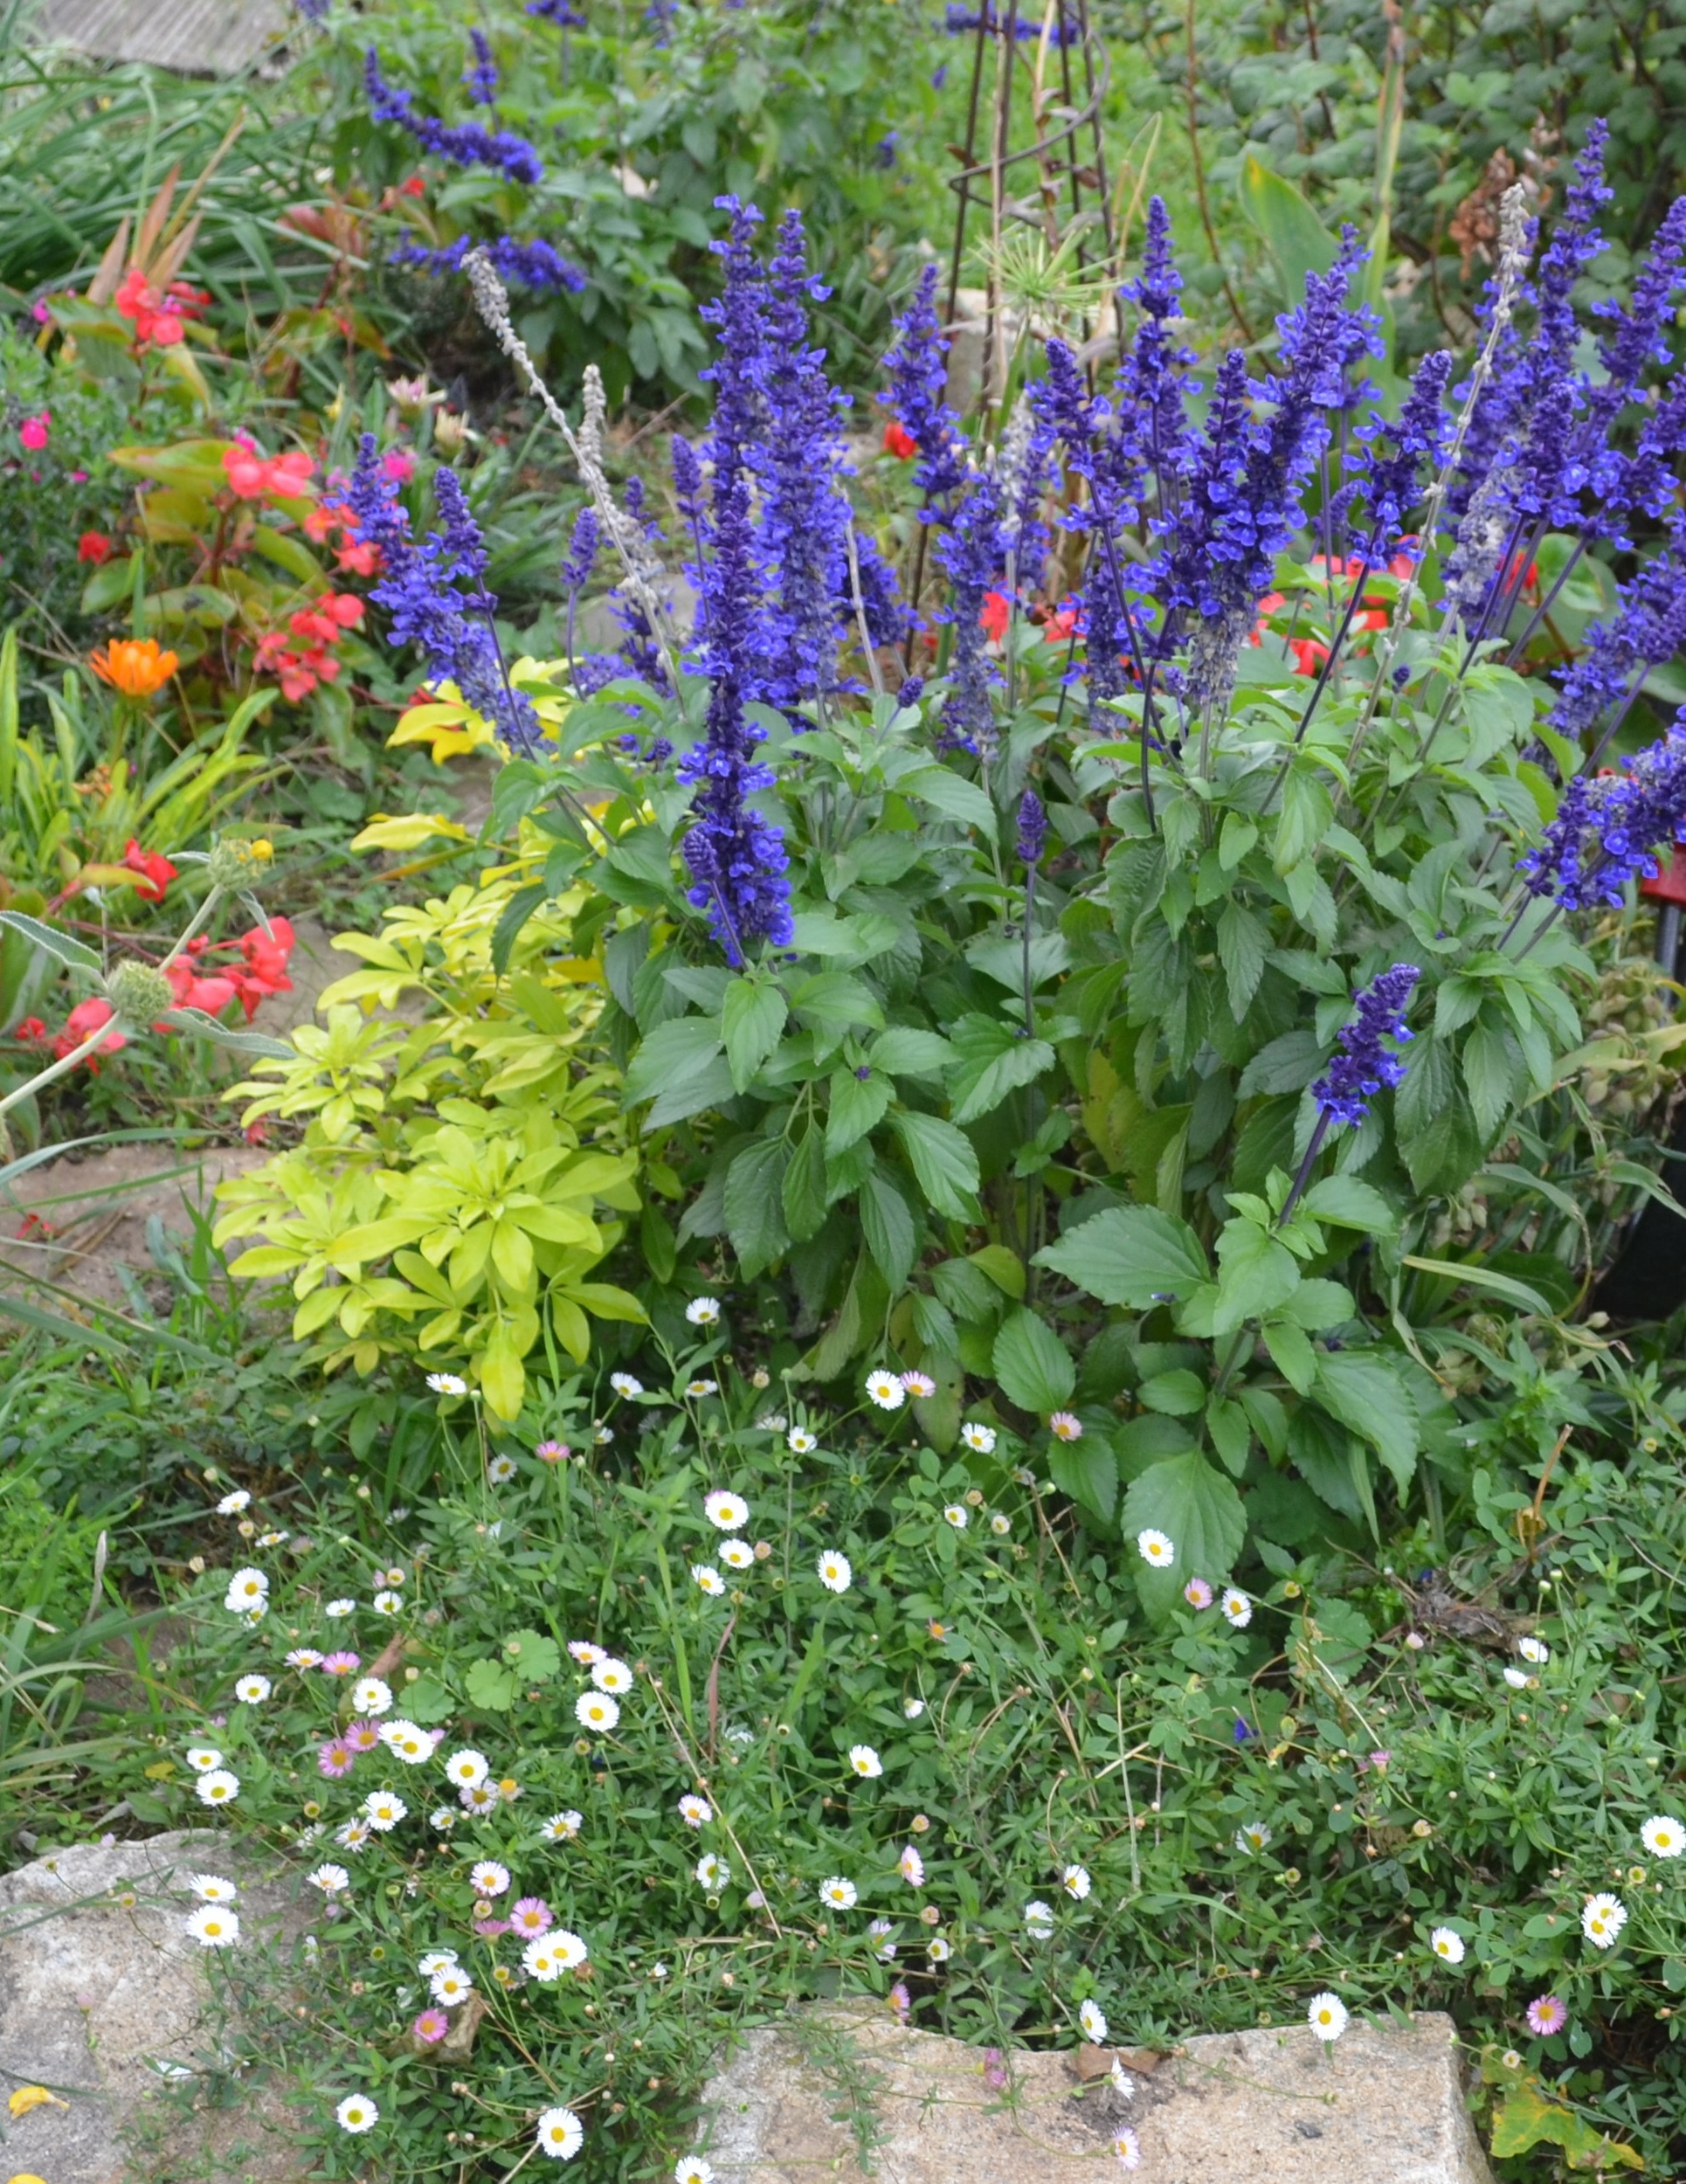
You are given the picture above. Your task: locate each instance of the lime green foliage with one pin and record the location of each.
(458, 1179)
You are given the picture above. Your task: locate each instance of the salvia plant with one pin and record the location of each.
(1083, 947)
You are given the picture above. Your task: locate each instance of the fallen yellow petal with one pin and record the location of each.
(28, 2096)
(22, 2178)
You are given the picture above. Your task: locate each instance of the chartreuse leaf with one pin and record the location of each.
(1350, 1204)
(1135, 1256)
(1198, 1510)
(1525, 2118)
(1032, 1364)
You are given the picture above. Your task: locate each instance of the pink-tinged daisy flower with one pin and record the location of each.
(491, 1928)
(431, 2025)
(1547, 2014)
(304, 1657)
(912, 1868)
(1128, 2147)
(901, 2001)
(1198, 1592)
(919, 1384)
(1066, 1426)
(532, 1915)
(341, 1664)
(553, 1452)
(362, 1736)
(335, 1759)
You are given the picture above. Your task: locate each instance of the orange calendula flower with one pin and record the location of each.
(133, 665)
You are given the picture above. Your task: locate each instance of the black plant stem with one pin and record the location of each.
(1324, 674)
(1303, 1175)
(1545, 605)
(1030, 913)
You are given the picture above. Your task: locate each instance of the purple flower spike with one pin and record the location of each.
(1364, 1065)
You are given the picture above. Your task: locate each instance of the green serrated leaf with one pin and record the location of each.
(1032, 1365)
(1135, 1256)
(753, 1203)
(752, 1016)
(887, 1225)
(1198, 1510)
(943, 1163)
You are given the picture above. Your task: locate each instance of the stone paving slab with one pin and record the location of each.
(834, 2091)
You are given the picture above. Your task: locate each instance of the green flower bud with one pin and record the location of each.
(139, 992)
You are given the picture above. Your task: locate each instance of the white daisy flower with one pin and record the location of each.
(355, 1834)
(835, 1574)
(881, 1929)
(1447, 1945)
(304, 1657)
(563, 1828)
(382, 1811)
(697, 1389)
(560, 2134)
(1663, 1838)
(1252, 1838)
(625, 1384)
(1128, 2148)
(435, 1960)
(1326, 2015)
(713, 1872)
(394, 1576)
(406, 1742)
(570, 1949)
(540, 1962)
(1000, 1525)
(864, 1761)
(1237, 1608)
(370, 1696)
(1602, 1919)
(1120, 2081)
(800, 1442)
(1093, 2020)
(246, 1589)
(959, 1515)
(841, 1895)
(584, 1652)
(695, 1812)
(1155, 1549)
(273, 1538)
(450, 1985)
(703, 1311)
(596, 1710)
(218, 1787)
(708, 1580)
(357, 2112)
(938, 1950)
(912, 1867)
(913, 1708)
(979, 1439)
(728, 1512)
(231, 1505)
(488, 1877)
(613, 1676)
(1534, 1649)
(691, 2168)
(203, 1758)
(737, 1554)
(1039, 1919)
(1075, 1881)
(886, 1391)
(481, 1797)
(603, 1437)
(447, 1384)
(498, 1470)
(212, 1888)
(1517, 1679)
(338, 1608)
(330, 1879)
